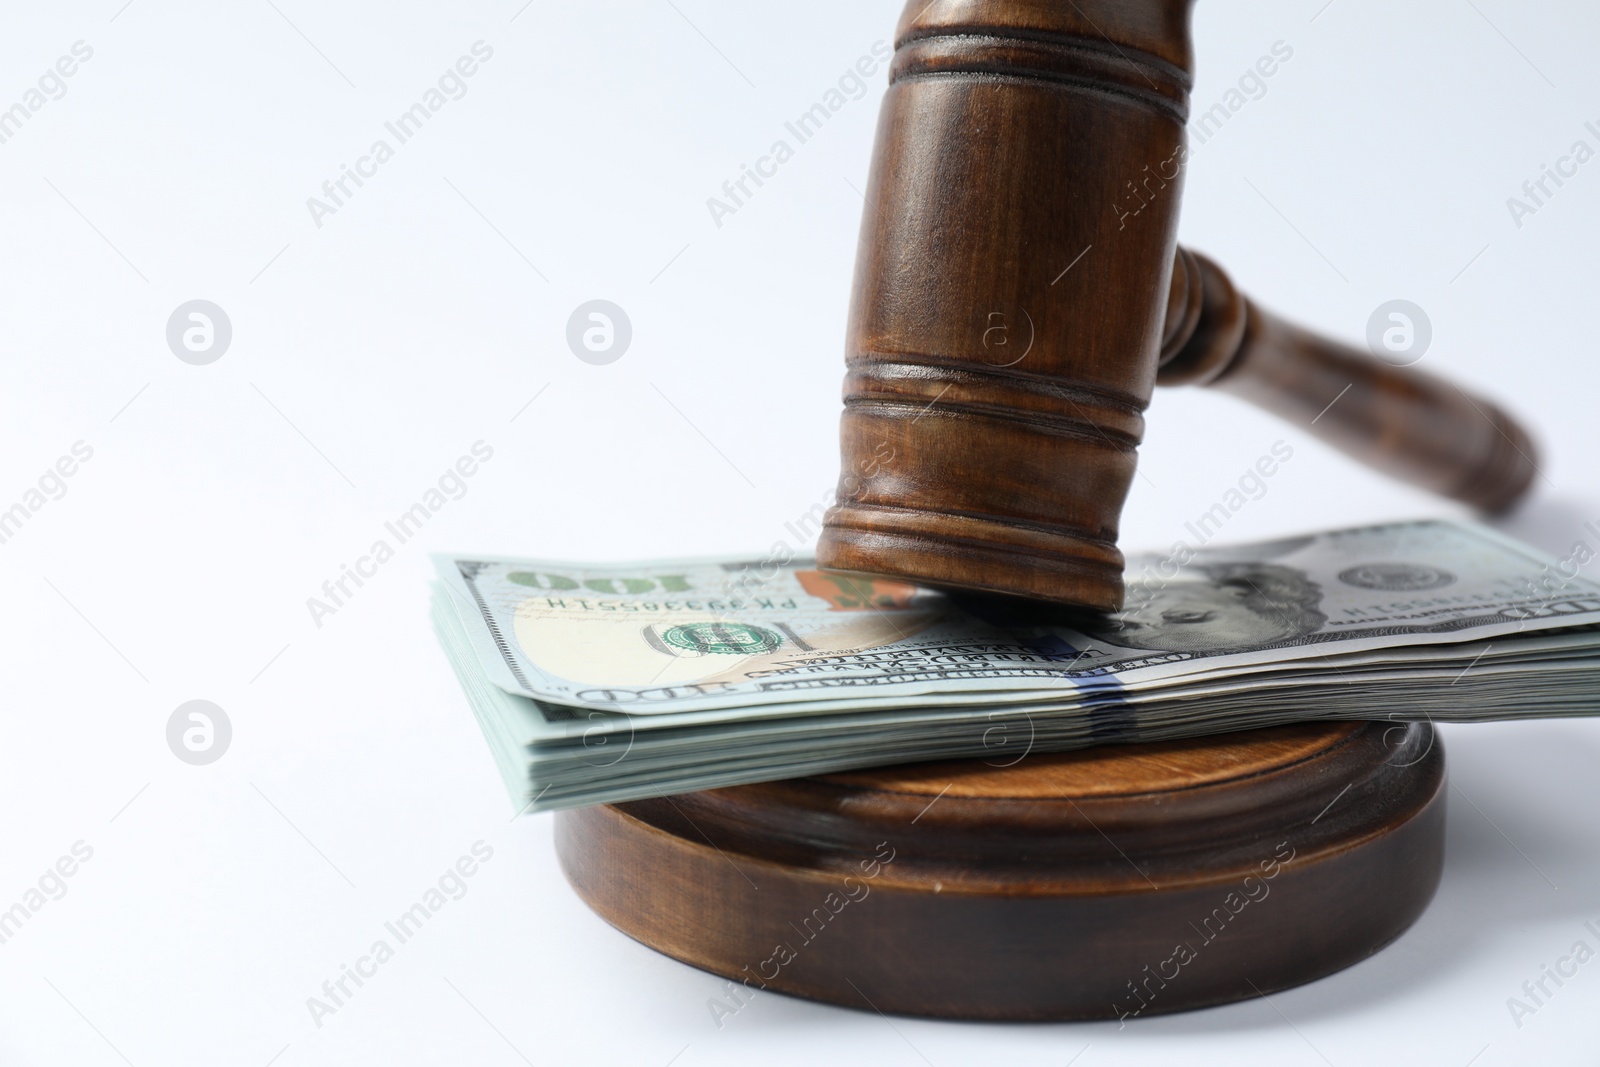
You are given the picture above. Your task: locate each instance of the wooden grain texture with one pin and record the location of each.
(1402, 420)
(1008, 134)
(1018, 286)
(1117, 881)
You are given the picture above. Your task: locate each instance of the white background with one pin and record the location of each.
(369, 353)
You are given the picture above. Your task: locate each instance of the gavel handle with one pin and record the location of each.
(1401, 420)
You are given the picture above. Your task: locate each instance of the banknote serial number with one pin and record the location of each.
(581, 604)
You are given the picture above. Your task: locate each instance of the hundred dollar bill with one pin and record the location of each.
(751, 637)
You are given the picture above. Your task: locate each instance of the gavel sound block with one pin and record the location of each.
(1027, 177)
(1114, 882)
(1025, 189)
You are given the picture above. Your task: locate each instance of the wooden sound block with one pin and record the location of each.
(1104, 883)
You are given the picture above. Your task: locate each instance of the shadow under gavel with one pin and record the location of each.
(1028, 166)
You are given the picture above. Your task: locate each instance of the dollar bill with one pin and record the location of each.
(605, 682)
(679, 636)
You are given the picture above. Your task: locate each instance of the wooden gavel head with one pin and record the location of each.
(1019, 292)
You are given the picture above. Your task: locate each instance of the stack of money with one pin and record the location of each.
(609, 682)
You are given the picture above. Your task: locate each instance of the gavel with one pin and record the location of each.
(1019, 292)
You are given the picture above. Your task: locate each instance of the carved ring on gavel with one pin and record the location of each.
(1029, 164)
